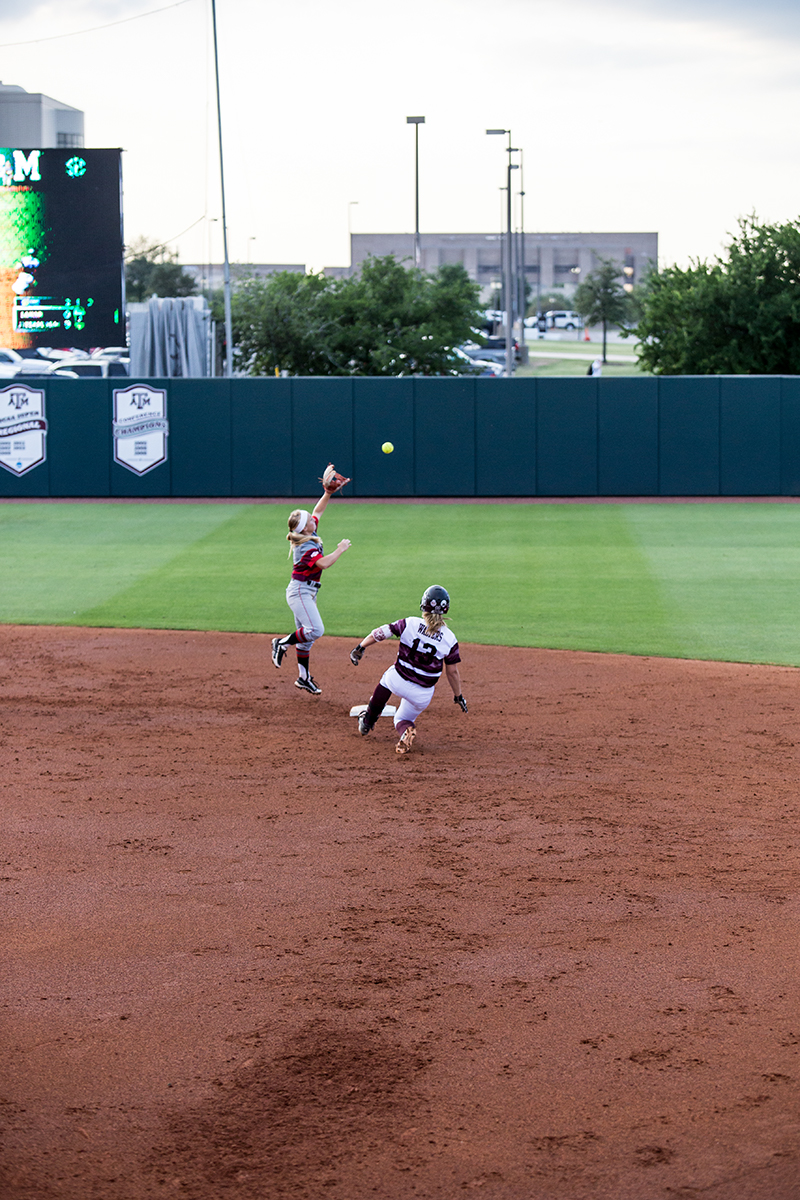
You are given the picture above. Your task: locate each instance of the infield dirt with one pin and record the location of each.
(550, 955)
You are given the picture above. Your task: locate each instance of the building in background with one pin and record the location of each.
(210, 276)
(35, 121)
(552, 260)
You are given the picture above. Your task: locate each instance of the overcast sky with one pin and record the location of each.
(676, 117)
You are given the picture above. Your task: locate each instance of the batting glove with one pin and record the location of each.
(460, 700)
(356, 655)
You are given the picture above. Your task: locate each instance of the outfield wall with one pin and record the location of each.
(676, 436)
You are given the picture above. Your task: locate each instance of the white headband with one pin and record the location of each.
(304, 518)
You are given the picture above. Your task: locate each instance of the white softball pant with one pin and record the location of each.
(413, 698)
(302, 600)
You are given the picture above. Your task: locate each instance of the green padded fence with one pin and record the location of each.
(676, 436)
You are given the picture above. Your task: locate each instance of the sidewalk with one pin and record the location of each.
(592, 351)
(564, 344)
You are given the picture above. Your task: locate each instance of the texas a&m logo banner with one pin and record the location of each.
(23, 429)
(141, 427)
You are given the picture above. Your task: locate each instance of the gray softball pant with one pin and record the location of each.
(302, 600)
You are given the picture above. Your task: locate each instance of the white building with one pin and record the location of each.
(35, 121)
(552, 260)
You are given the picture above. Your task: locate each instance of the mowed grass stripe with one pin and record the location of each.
(555, 580)
(58, 560)
(678, 580)
(730, 574)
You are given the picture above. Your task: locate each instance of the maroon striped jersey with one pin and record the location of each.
(421, 656)
(305, 559)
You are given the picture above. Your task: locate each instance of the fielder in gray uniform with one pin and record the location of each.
(426, 646)
(308, 563)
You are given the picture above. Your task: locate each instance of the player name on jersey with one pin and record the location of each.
(421, 656)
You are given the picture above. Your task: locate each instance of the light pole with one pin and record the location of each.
(350, 204)
(207, 273)
(509, 257)
(416, 122)
(227, 275)
(523, 290)
(249, 240)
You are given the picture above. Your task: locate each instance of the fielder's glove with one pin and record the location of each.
(356, 655)
(460, 700)
(331, 480)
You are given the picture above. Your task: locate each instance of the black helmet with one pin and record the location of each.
(435, 599)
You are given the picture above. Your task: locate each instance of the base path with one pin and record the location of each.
(550, 955)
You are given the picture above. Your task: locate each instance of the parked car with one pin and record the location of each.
(56, 355)
(9, 363)
(44, 372)
(481, 366)
(68, 368)
(112, 353)
(36, 366)
(39, 361)
(563, 319)
(480, 353)
(91, 368)
(494, 350)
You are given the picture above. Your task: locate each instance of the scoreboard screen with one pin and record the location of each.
(61, 248)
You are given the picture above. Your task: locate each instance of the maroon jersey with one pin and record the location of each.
(305, 559)
(420, 655)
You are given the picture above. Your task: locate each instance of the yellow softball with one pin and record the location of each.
(387, 447)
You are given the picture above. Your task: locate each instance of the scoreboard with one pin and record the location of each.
(61, 248)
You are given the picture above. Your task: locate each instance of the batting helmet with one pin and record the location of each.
(435, 599)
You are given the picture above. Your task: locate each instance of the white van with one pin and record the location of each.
(562, 319)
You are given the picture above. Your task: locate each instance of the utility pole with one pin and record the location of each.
(227, 275)
(509, 257)
(416, 122)
(523, 290)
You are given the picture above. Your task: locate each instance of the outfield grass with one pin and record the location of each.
(550, 367)
(573, 358)
(715, 581)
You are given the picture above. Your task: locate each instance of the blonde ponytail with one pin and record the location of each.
(298, 539)
(434, 621)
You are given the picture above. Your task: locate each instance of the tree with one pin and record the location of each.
(601, 298)
(152, 270)
(546, 301)
(281, 323)
(388, 320)
(737, 315)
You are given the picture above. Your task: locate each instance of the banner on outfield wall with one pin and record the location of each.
(23, 429)
(140, 427)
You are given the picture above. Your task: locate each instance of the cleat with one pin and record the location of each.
(364, 727)
(307, 685)
(278, 651)
(406, 741)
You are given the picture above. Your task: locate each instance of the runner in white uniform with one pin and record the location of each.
(426, 647)
(301, 595)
